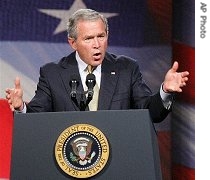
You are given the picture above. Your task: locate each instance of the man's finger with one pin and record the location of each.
(186, 73)
(7, 90)
(175, 66)
(17, 83)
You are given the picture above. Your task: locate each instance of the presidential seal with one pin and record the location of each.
(82, 151)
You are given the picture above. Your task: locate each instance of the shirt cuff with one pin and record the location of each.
(23, 110)
(167, 98)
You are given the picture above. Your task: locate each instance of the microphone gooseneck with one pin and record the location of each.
(90, 82)
(74, 84)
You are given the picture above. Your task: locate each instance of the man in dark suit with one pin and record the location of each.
(118, 77)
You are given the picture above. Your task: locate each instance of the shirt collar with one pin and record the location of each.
(82, 65)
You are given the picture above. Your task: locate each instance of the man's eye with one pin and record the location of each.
(101, 37)
(88, 39)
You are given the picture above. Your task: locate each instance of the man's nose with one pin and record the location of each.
(96, 43)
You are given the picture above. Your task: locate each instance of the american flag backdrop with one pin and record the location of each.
(183, 123)
(33, 32)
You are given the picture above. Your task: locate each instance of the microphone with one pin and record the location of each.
(74, 84)
(90, 82)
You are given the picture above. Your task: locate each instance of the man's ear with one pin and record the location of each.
(72, 43)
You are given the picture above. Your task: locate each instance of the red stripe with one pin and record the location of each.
(6, 126)
(164, 142)
(161, 13)
(185, 55)
(181, 172)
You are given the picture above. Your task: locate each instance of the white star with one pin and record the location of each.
(63, 15)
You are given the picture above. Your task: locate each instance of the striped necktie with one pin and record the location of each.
(93, 105)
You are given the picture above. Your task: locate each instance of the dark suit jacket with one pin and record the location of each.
(122, 87)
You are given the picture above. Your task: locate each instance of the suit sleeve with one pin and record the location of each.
(41, 102)
(143, 98)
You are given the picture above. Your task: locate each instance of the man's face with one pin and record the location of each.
(91, 42)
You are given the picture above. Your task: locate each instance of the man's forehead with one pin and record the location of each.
(90, 25)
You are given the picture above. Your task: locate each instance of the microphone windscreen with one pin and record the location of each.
(90, 79)
(74, 78)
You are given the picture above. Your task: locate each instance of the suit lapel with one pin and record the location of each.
(109, 77)
(69, 69)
